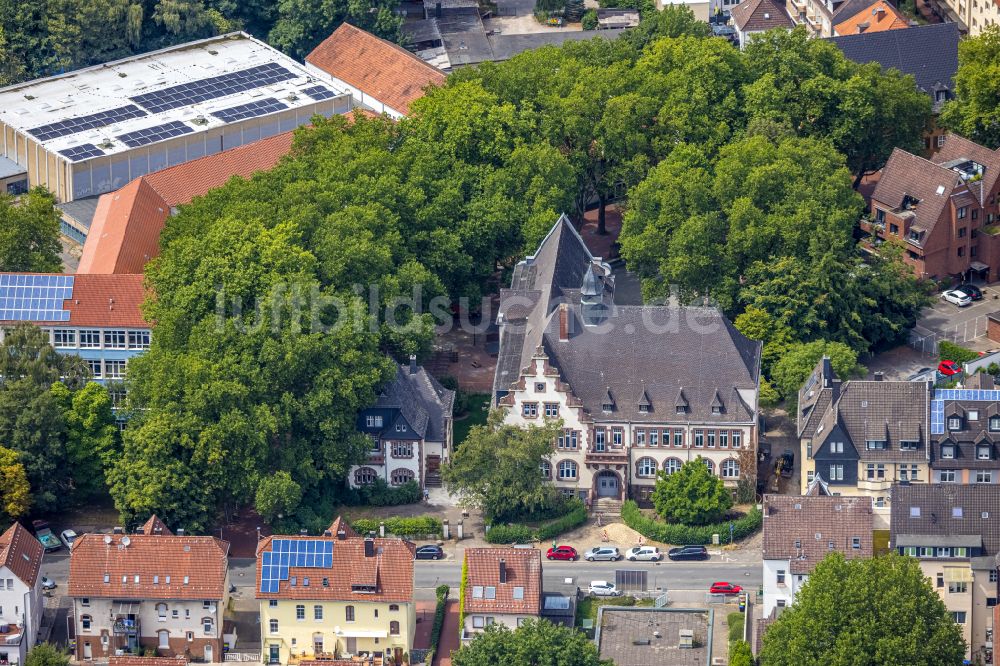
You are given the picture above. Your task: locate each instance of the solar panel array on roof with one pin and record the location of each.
(319, 92)
(214, 87)
(92, 121)
(153, 134)
(34, 297)
(81, 152)
(260, 107)
(286, 553)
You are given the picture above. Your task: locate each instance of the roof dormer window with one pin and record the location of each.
(983, 452)
(644, 409)
(995, 424)
(947, 451)
(954, 423)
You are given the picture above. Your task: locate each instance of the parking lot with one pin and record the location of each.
(965, 326)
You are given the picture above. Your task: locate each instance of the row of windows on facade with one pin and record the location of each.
(645, 467)
(653, 437)
(350, 615)
(96, 339)
(870, 445)
(375, 421)
(107, 368)
(364, 476)
(877, 472)
(955, 423)
(483, 621)
(983, 452)
(208, 624)
(550, 410)
(398, 449)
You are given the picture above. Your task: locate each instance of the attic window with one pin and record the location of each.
(519, 593)
(681, 409)
(491, 592)
(477, 591)
(305, 582)
(956, 512)
(947, 451)
(716, 410)
(644, 409)
(607, 407)
(25, 556)
(136, 579)
(326, 582)
(363, 588)
(107, 578)
(156, 579)
(168, 580)
(186, 579)
(914, 512)
(798, 544)
(293, 581)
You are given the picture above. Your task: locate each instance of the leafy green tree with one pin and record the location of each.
(497, 468)
(692, 495)
(740, 654)
(29, 233)
(674, 20)
(277, 495)
(15, 491)
(589, 20)
(758, 324)
(91, 438)
(303, 24)
(46, 654)
(790, 373)
(834, 619)
(975, 111)
(534, 643)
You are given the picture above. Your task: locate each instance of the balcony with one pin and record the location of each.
(10, 635)
(615, 456)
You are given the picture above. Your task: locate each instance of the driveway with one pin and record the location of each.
(964, 326)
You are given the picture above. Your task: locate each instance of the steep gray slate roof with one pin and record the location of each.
(937, 502)
(928, 52)
(658, 352)
(814, 523)
(893, 411)
(424, 403)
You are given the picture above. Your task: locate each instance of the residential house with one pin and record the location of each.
(965, 432)
(410, 426)
(954, 532)
(150, 590)
(20, 593)
(503, 586)
(862, 436)
(972, 16)
(380, 75)
(124, 232)
(97, 317)
(800, 531)
(820, 16)
(92, 130)
(880, 16)
(639, 389)
(940, 211)
(658, 636)
(929, 53)
(335, 596)
(756, 16)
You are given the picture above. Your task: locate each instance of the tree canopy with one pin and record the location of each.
(975, 111)
(534, 643)
(692, 495)
(799, 359)
(835, 621)
(29, 233)
(46, 654)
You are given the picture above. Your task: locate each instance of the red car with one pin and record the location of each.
(725, 588)
(562, 553)
(949, 368)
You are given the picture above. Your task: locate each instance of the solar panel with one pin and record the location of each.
(153, 134)
(260, 107)
(92, 121)
(81, 152)
(319, 92)
(214, 87)
(287, 553)
(34, 297)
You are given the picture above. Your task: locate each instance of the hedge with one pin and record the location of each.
(952, 352)
(401, 527)
(516, 533)
(439, 612)
(684, 535)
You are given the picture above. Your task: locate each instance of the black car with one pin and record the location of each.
(688, 553)
(430, 553)
(972, 291)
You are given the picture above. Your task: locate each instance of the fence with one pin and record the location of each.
(926, 341)
(243, 656)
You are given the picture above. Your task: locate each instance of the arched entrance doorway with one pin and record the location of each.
(607, 484)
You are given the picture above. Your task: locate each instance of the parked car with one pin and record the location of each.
(602, 588)
(609, 553)
(44, 533)
(787, 463)
(430, 552)
(959, 298)
(972, 291)
(644, 553)
(67, 537)
(949, 368)
(48, 583)
(562, 553)
(724, 588)
(918, 374)
(688, 553)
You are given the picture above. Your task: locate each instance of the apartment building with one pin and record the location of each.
(800, 531)
(965, 432)
(954, 532)
(973, 16)
(503, 586)
(336, 596)
(151, 590)
(410, 427)
(639, 389)
(942, 211)
(20, 593)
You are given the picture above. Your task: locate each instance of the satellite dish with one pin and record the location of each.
(211, 609)
(107, 539)
(126, 541)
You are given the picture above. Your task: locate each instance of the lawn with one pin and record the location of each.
(586, 608)
(479, 409)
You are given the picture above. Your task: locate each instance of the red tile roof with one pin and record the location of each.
(389, 570)
(378, 68)
(167, 567)
(523, 568)
(878, 17)
(125, 232)
(801, 528)
(103, 301)
(338, 525)
(155, 526)
(22, 553)
(761, 15)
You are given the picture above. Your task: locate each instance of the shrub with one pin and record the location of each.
(952, 352)
(574, 516)
(740, 654)
(381, 493)
(461, 593)
(401, 527)
(439, 612)
(735, 621)
(692, 495)
(993, 369)
(589, 20)
(675, 533)
(510, 534)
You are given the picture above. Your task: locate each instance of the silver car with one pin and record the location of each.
(644, 553)
(598, 553)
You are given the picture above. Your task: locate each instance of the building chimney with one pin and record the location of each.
(879, 376)
(437, 10)
(563, 322)
(503, 570)
(413, 364)
(369, 547)
(341, 534)
(180, 531)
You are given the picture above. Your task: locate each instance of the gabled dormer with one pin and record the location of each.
(718, 407)
(949, 450)
(954, 417)
(645, 404)
(876, 435)
(608, 404)
(681, 405)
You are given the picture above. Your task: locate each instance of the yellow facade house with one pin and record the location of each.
(337, 596)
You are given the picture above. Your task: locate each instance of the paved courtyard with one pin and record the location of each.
(965, 326)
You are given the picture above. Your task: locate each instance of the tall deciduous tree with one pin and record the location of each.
(303, 24)
(91, 438)
(865, 612)
(975, 111)
(791, 371)
(46, 654)
(15, 491)
(692, 495)
(29, 233)
(534, 643)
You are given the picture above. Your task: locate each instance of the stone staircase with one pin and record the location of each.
(608, 506)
